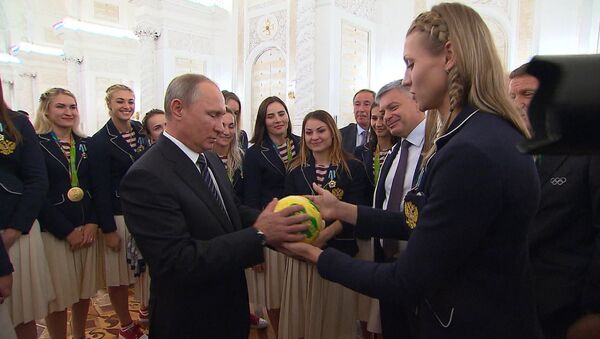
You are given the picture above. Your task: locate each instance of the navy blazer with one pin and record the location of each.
(112, 157)
(466, 266)
(195, 251)
(264, 173)
(23, 177)
(564, 241)
(299, 182)
(348, 134)
(59, 215)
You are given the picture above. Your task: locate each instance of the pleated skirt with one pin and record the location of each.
(89, 269)
(61, 264)
(275, 270)
(32, 284)
(294, 299)
(331, 310)
(116, 269)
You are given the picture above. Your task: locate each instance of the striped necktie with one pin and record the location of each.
(203, 166)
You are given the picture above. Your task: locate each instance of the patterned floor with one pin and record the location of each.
(102, 322)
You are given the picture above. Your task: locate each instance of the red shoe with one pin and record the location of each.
(132, 331)
(144, 315)
(257, 322)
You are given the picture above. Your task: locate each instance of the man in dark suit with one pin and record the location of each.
(403, 118)
(564, 240)
(197, 239)
(356, 134)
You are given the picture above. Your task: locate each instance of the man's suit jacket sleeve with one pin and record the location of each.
(348, 134)
(591, 294)
(154, 217)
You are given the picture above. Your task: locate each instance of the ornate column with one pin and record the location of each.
(26, 100)
(149, 96)
(305, 59)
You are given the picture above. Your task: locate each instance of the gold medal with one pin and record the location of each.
(6, 146)
(75, 194)
(411, 214)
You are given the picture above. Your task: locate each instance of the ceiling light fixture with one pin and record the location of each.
(78, 25)
(32, 48)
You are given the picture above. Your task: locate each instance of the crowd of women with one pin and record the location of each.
(66, 236)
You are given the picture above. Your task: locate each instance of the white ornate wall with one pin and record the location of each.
(173, 37)
(328, 48)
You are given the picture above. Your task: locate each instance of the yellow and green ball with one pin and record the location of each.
(315, 223)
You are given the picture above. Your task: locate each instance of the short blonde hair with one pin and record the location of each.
(42, 125)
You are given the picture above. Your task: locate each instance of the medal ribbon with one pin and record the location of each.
(376, 163)
(72, 166)
(72, 159)
(289, 151)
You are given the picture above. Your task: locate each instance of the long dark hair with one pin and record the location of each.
(10, 128)
(260, 127)
(372, 142)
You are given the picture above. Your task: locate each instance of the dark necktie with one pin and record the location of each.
(390, 246)
(203, 166)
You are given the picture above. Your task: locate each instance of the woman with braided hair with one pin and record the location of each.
(465, 272)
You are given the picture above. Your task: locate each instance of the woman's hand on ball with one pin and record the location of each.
(327, 233)
(326, 202)
(302, 251)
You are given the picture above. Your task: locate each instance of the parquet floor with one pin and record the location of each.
(102, 322)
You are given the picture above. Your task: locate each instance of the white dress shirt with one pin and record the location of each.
(416, 139)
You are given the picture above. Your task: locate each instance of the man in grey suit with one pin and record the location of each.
(356, 134)
(190, 228)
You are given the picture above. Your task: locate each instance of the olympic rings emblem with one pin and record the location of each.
(558, 181)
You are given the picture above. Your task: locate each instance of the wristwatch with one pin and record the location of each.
(262, 237)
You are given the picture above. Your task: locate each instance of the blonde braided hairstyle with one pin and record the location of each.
(477, 78)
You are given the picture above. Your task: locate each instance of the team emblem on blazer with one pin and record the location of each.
(558, 181)
(6, 146)
(338, 193)
(411, 214)
(139, 148)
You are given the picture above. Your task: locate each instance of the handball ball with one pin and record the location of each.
(315, 223)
